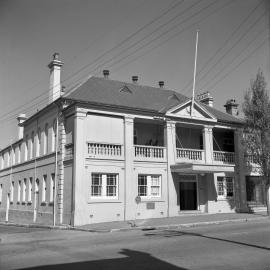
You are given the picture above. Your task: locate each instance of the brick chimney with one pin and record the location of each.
(135, 79)
(106, 73)
(206, 99)
(232, 107)
(161, 84)
(55, 78)
(21, 118)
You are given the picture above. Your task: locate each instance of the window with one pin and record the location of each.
(26, 148)
(37, 186)
(19, 153)
(13, 156)
(32, 146)
(44, 188)
(111, 185)
(52, 187)
(225, 186)
(46, 139)
(38, 143)
(24, 190)
(53, 135)
(8, 158)
(1, 192)
(12, 192)
(104, 185)
(30, 182)
(19, 191)
(2, 161)
(149, 186)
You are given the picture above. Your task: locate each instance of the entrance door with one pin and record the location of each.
(188, 195)
(255, 191)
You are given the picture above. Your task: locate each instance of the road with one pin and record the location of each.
(230, 246)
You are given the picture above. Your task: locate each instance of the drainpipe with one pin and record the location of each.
(10, 180)
(34, 183)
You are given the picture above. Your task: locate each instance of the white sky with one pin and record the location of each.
(233, 34)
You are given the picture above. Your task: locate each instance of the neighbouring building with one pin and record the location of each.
(92, 150)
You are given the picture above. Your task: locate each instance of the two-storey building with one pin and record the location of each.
(93, 150)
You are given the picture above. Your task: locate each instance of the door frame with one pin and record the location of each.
(197, 189)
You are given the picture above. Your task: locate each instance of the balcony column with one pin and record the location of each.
(170, 140)
(239, 177)
(130, 181)
(208, 143)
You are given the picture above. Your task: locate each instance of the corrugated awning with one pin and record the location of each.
(201, 168)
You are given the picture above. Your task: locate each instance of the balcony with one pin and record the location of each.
(149, 153)
(222, 157)
(189, 155)
(104, 151)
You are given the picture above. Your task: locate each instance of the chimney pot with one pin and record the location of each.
(106, 73)
(134, 79)
(56, 56)
(161, 84)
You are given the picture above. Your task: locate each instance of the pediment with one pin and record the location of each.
(184, 111)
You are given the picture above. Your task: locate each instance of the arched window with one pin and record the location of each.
(46, 139)
(53, 135)
(26, 148)
(38, 143)
(32, 145)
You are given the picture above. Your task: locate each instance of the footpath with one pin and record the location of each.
(188, 220)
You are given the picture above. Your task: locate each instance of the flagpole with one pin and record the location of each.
(194, 75)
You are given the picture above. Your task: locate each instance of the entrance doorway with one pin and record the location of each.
(255, 190)
(188, 195)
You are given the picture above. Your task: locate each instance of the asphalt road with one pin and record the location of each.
(230, 246)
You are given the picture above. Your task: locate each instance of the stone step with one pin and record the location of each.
(258, 209)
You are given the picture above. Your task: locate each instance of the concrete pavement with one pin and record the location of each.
(188, 220)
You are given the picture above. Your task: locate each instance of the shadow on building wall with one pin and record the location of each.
(133, 260)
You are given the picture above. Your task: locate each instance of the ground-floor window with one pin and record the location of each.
(225, 186)
(149, 186)
(104, 185)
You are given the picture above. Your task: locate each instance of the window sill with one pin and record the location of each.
(104, 201)
(223, 198)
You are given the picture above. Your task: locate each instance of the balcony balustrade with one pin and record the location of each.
(105, 150)
(223, 157)
(194, 155)
(149, 153)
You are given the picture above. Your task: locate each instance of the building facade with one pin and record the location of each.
(112, 151)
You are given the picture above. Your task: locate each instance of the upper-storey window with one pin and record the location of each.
(26, 148)
(19, 153)
(13, 156)
(46, 139)
(38, 144)
(2, 161)
(53, 135)
(32, 145)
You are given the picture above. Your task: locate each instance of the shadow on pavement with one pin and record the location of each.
(175, 233)
(133, 260)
